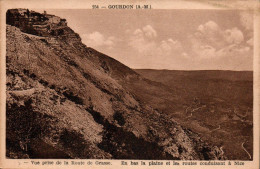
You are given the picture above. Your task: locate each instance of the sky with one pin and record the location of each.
(168, 39)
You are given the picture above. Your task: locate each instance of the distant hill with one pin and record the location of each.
(169, 75)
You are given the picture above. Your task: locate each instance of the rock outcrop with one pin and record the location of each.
(64, 100)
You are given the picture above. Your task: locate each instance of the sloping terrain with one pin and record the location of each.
(216, 104)
(65, 100)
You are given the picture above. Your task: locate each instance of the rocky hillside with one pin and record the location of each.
(65, 100)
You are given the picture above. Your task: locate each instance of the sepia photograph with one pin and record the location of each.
(124, 82)
(99, 84)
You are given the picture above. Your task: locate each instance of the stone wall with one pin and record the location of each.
(35, 23)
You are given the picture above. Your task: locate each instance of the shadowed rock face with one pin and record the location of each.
(65, 100)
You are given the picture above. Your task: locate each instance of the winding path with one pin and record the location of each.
(216, 128)
(221, 150)
(240, 115)
(193, 110)
(246, 150)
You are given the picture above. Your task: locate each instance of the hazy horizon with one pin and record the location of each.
(193, 70)
(168, 39)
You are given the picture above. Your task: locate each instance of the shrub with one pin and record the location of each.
(24, 124)
(75, 143)
(119, 118)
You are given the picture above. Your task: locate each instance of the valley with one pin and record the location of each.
(216, 104)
